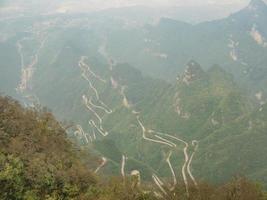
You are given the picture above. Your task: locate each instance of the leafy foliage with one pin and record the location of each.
(36, 158)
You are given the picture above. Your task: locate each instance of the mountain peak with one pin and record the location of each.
(193, 71)
(255, 5)
(255, 11)
(193, 66)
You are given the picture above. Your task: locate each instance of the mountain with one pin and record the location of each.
(38, 161)
(255, 9)
(157, 99)
(193, 108)
(247, 134)
(237, 43)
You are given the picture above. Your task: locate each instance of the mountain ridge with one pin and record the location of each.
(116, 80)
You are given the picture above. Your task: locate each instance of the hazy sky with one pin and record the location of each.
(92, 5)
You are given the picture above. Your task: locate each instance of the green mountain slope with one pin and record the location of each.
(37, 161)
(100, 80)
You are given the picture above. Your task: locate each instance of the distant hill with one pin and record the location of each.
(237, 43)
(156, 99)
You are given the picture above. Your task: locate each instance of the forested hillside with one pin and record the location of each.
(172, 102)
(38, 162)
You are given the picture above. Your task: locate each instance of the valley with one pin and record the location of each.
(167, 102)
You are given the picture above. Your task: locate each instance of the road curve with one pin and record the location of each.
(184, 168)
(103, 163)
(195, 144)
(88, 102)
(103, 133)
(82, 62)
(159, 183)
(149, 139)
(80, 131)
(172, 170)
(123, 161)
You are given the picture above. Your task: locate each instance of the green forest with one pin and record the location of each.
(39, 162)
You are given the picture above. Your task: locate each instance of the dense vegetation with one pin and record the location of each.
(222, 107)
(37, 161)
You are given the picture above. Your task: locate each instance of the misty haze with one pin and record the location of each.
(133, 100)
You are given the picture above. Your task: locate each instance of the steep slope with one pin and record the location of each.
(242, 140)
(237, 43)
(161, 129)
(37, 161)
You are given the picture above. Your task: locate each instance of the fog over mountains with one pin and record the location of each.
(190, 11)
(168, 99)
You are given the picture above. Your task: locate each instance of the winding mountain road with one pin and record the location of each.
(159, 183)
(186, 168)
(149, 139)
(88, 101)
(103, 133)
(107, 111)
(103, 163)
(123, 162)
(158, 137)
(82, 62)
(195, 144)
(172, 170)
(80, 131)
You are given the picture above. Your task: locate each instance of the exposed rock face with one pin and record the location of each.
(257, 36)
(192, 72)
